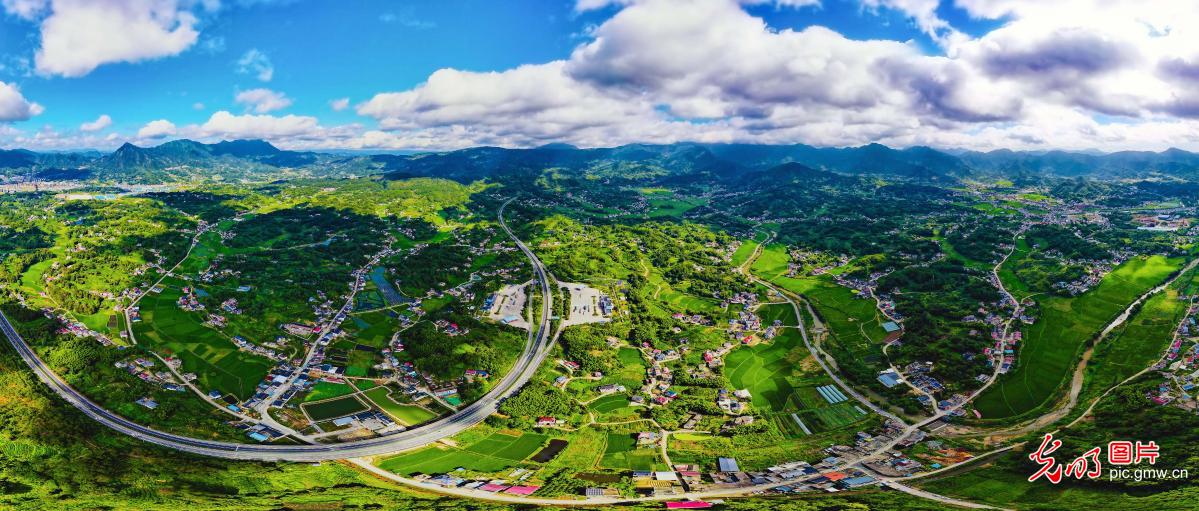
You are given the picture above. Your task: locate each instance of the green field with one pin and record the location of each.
(509, 447)
(408, 414)
(765, 370)
(622, 453)
(610, 403)
(854, 323)
(1139, 342)
(496, 452)
(325, 390)
(1052, 344)
(340, 407)
(214, 358)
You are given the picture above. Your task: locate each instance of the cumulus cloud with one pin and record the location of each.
(14, 106)
(223, 124)
(654, 72)
(262, 100)
(339, 104)
(157, 129)
(79, 35)
(25, 9)
(255, 62)
(100, 123)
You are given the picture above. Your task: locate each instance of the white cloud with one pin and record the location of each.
(262, 101)
(591, 5)
(1069, 73)
(14, 106)
(339, 104)
(223, 124)
(197, 106)
(157, 129)
(79, 35)
(256, 62)
(25, 9)
(100, 123)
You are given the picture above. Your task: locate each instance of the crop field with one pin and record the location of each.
(217, 362)
(1007, 274)
(496, 452)
(610, 403)
(333, 409)
(408, 414)
(438, 460)
(1053, 343)
(509, 447)
(325, 390)
(854, 322)
(632, 367)
(777, 311)
(832, 417)
(1139, 342)
(622, 453)
(764, 369)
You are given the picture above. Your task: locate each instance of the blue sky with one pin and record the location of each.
(453, 73)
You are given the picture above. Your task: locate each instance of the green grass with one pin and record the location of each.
(622, 453)
(610, 403)
(408, 414)
(1139, 342)
(765, 370)
(509, 447)
(325, 390)
(437, 460)
(333, 409)
(496, 452)
(1052, 345)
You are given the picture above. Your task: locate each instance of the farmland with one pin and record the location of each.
(334, 408)
(1053, 343)
(493, 453)
(204, 351)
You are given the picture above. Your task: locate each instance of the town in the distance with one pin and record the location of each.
(657, 325)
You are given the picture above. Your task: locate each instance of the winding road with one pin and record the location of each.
(531, 357)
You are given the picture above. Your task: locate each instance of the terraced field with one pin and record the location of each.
(1052, 345)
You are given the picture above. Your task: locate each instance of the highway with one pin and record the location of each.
(531, 357)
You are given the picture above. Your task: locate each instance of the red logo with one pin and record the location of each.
(1119, 452)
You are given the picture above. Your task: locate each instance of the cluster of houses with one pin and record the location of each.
(249, 347)
(744, 325)
(450, 328)
(510, 485)
(188, 301)
(77, 329)
(811, 262)
(230, 306)
(918, 375)
(277, 377)
(744, 298)
(1180, 365)
(735, 402)
(142, 368)
(692, 319)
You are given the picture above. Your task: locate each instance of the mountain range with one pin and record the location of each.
(258, 160)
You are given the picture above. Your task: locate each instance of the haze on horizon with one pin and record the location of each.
(373, 75)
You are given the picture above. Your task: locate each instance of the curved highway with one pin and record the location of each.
(534, 353)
